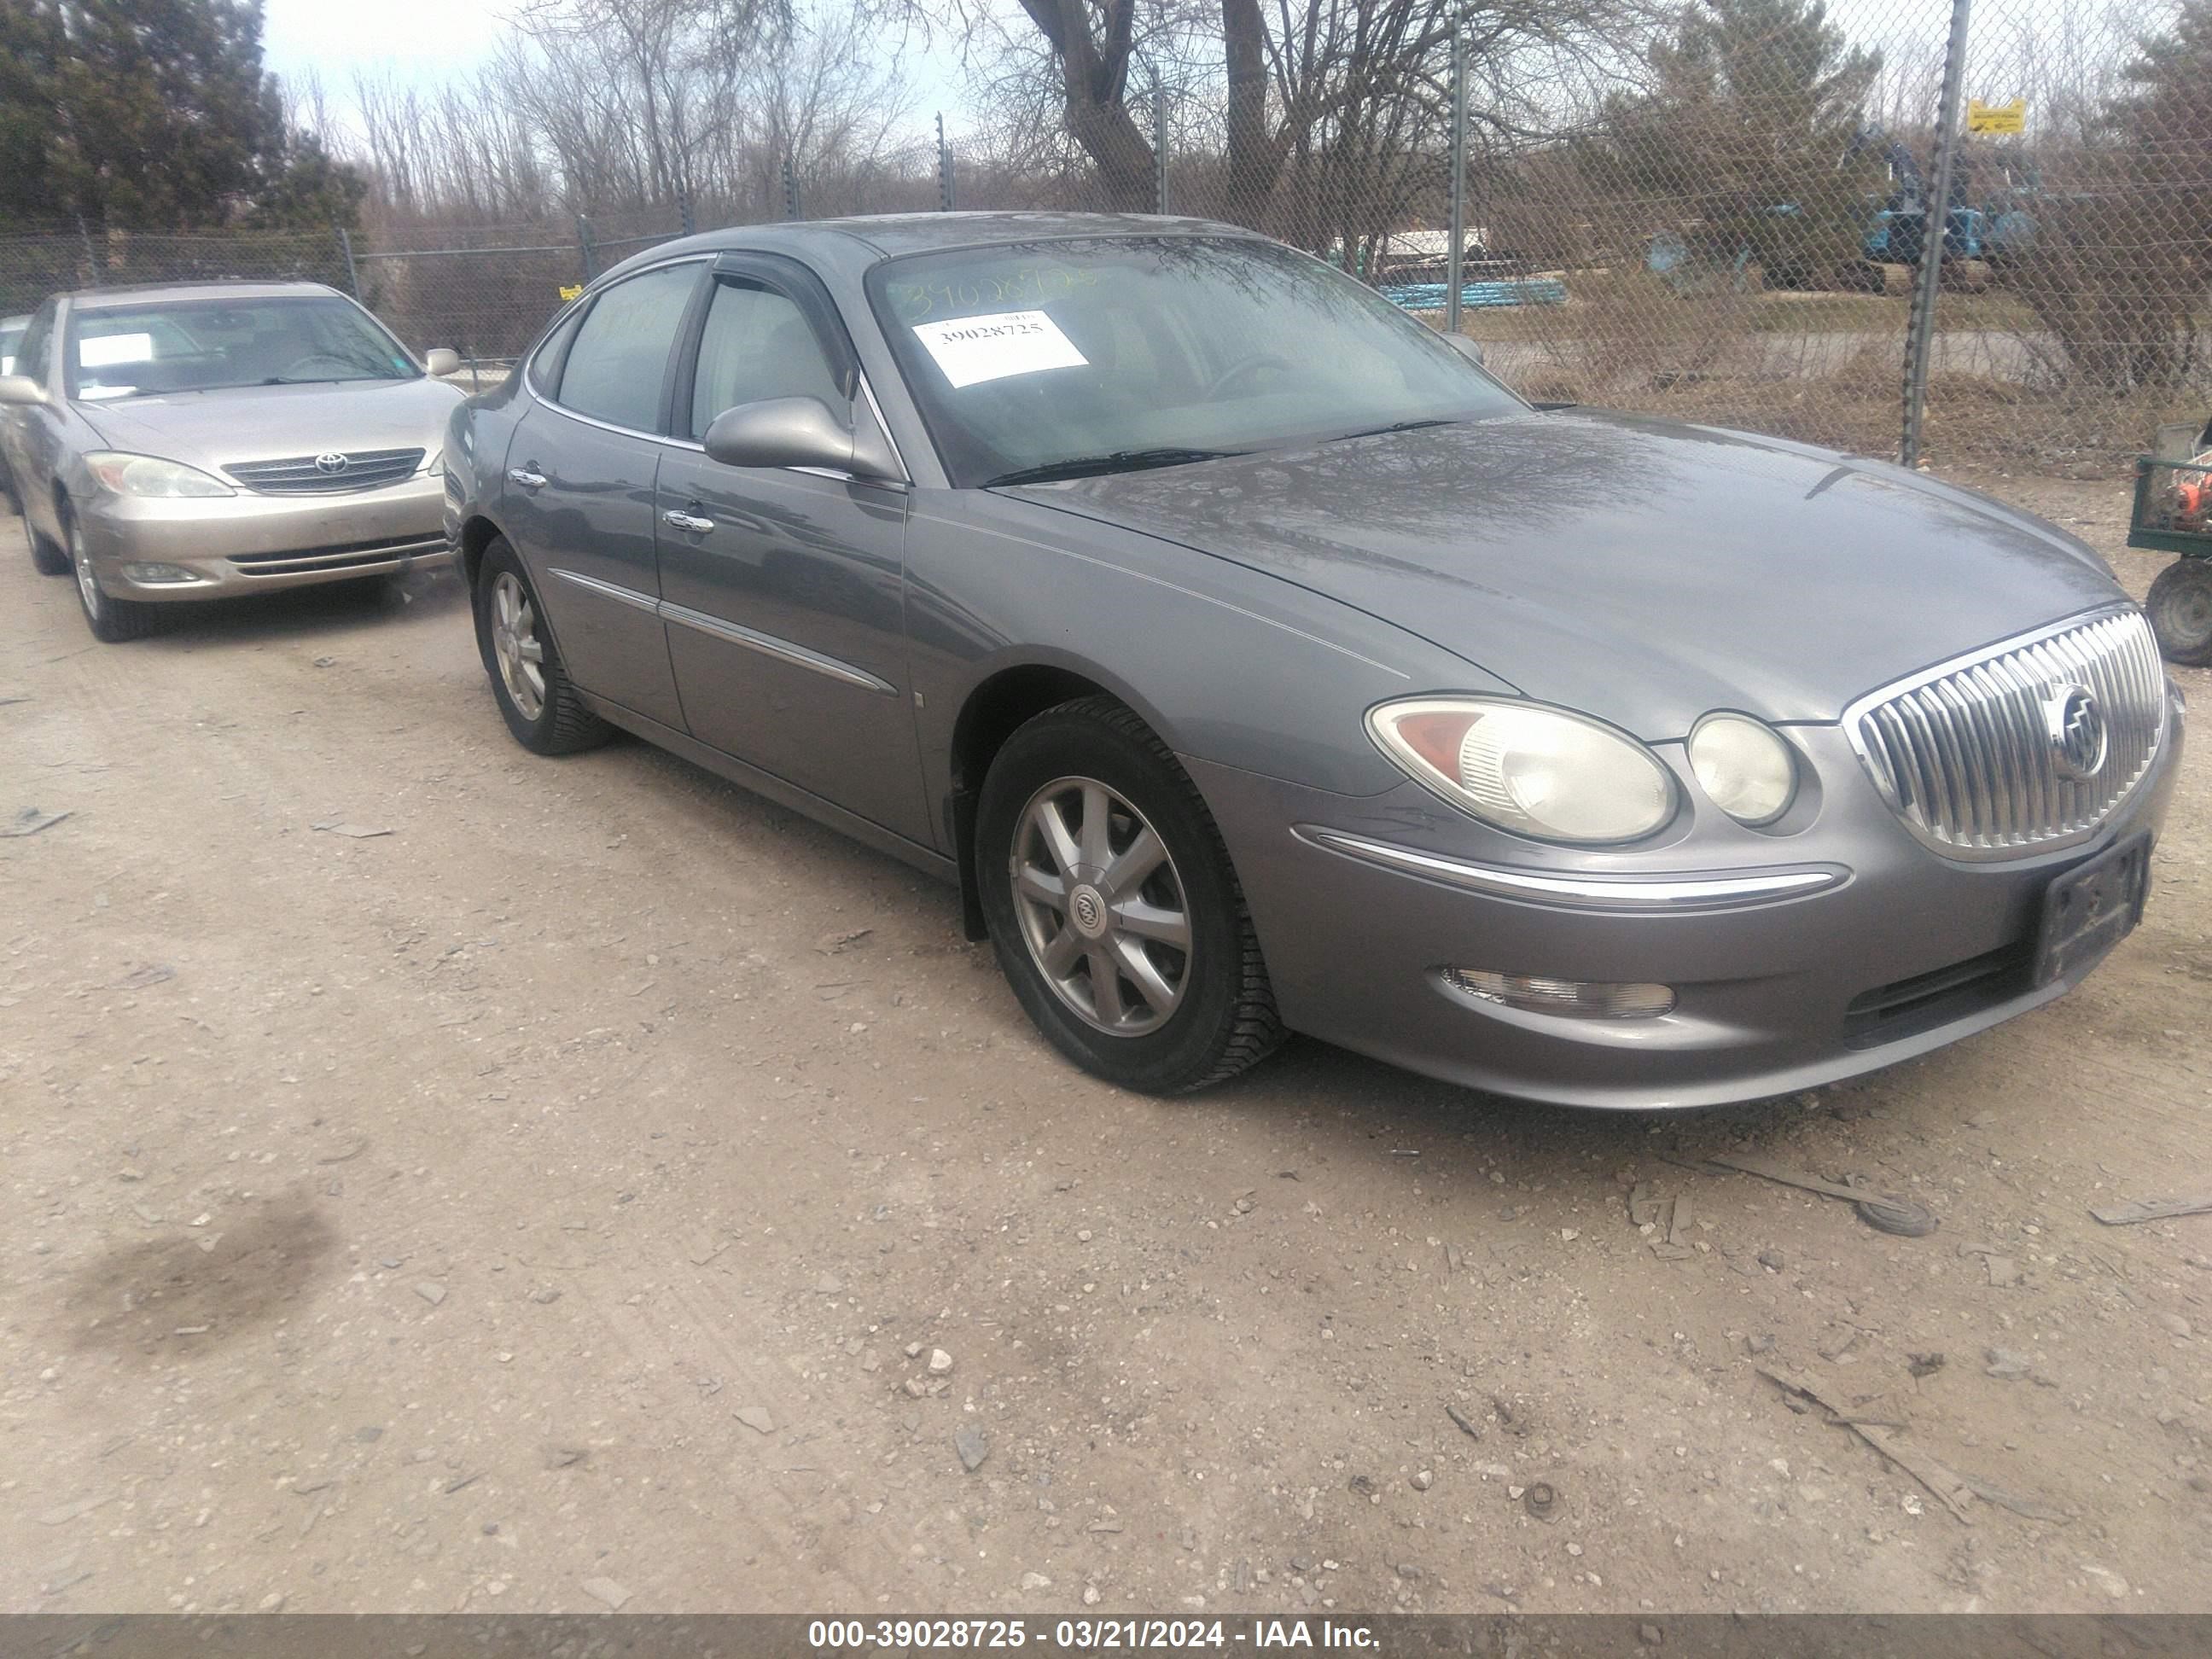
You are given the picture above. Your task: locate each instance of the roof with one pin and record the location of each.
(888, 235)
(102, 299)
(910, 233)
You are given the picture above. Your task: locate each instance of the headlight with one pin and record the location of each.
(1743, 767)
(1539, 771)
(151, 475)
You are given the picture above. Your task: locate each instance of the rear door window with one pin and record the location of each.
(618, 362)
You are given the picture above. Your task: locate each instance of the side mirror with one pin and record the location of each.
(799, 432)
(1471, 350)
(441, 361)
(21, 389)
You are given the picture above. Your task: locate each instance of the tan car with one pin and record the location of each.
(185, 442)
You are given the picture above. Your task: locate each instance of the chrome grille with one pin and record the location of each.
(303, 475)
(1964, 752)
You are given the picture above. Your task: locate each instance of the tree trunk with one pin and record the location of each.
(1255, 157)
(1095, 76)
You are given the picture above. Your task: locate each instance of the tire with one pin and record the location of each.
(558, 723)
(112, 620)
(1204, 1012)
(48, 557)
(2180, 607)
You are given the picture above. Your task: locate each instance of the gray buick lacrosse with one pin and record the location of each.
(1255, 662)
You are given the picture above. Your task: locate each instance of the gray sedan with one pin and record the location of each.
(1255, 662)
(184, 442)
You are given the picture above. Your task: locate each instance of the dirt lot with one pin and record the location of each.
(555, 1203)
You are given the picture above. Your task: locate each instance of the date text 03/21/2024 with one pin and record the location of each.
(1090, 1635)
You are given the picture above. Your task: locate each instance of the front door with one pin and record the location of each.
(577, 499)
(783, 589)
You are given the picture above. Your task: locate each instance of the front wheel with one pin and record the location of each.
(535, 695)
(1112, 904)
(2180, 607)
(112, 620)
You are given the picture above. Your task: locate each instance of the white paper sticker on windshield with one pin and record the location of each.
(972, 348)
(104, 350)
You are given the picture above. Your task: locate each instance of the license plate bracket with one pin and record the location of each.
(2091, 909)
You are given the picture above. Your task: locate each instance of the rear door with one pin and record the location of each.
(783, 587)
(577, 500)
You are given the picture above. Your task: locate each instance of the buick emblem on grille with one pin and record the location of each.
(2075, 726)
(330, 461)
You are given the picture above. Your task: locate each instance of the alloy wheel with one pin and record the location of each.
(1101, 907)
(515, 644)
(86, 583)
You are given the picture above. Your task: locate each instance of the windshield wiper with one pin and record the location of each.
(1394, 426)
(1122, 461)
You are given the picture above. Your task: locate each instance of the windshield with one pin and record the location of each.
(207, 345)
(11, 336)
(1057, 358)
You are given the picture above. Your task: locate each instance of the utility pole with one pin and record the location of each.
(1920, 332)
(1454, 261)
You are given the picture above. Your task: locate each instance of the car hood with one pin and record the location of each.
(1641, 571)
(214, 429)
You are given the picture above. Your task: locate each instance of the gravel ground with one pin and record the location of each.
(604, 1189)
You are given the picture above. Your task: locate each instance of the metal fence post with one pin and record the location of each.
(585, 250)
(790, 190)
(91, 260)
(1454, 267)
(1159, 147)
(1920, 332)
(944, 195)
(353, 271)
(686, 220)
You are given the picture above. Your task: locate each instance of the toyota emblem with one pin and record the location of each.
(331, 463)
(2076, 728)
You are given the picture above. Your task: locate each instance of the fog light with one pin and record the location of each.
(153, 575)
(1576, 999)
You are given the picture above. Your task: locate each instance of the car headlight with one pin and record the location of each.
(151, 475)
(1538, 771)
(1744, 767)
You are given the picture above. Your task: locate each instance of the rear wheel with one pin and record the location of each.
(2180, 607)
(1115, 911)
(112, 620)
(534, 696)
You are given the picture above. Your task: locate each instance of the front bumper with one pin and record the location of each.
(1898, 952)
(244, 543)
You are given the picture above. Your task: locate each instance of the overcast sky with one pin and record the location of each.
(430, 41)
(425, 41)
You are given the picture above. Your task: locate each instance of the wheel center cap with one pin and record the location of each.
(1086, 908)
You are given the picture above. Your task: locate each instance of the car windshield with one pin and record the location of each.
(11, 336)
(1061, 358)
(210, 345)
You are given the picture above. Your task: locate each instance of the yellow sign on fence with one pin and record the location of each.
(570, 290)
(1996, 118)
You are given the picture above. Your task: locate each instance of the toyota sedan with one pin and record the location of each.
(186, 442)
(1255, 662)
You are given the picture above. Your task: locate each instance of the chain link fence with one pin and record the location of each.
(1884, 227)
(484, 291)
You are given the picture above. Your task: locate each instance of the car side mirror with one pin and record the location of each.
(21, 389)
(441, 361)
(800, 432)
(1470, 349)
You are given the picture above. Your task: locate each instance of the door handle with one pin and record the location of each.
(528, 480)
(678, 519)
